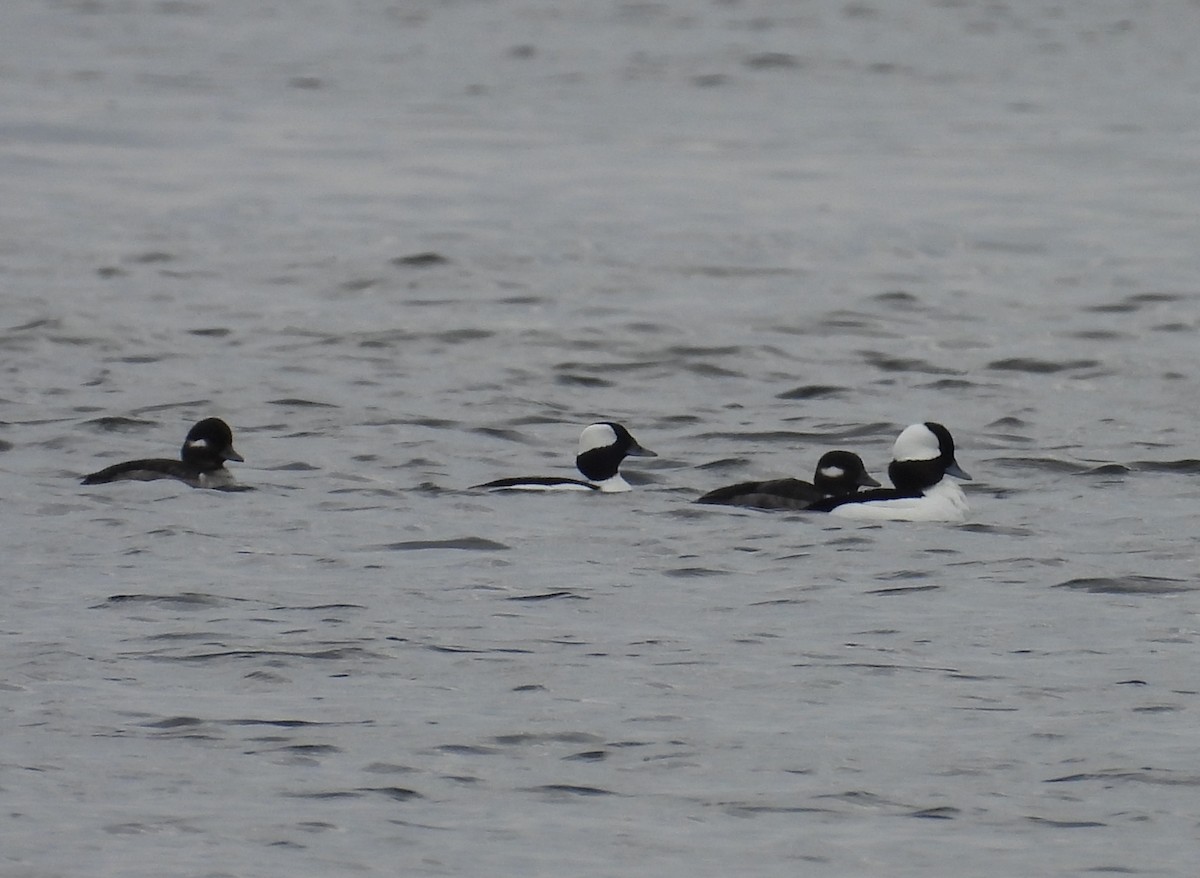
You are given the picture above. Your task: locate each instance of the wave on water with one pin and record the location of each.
(1131, 584)
(470, 544)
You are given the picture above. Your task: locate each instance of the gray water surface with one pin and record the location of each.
(405, 248)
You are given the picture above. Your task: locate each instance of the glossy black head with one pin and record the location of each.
(209, 444)
(603, 446)
(946, 446)
(841, 472)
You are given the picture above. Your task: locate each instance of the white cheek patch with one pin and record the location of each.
(197, 443)
(832, 472)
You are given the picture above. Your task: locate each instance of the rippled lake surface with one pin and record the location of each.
(407, 247)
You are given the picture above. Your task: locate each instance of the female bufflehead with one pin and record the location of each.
(921, 459)
(838, 473)
(602, 447)
(202, 465)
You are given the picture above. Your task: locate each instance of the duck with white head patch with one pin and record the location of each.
(202, 461)
(838, 473)
(602, 447)
(922, 459)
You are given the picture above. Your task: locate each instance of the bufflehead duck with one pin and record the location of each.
(202, 461)
(602, 447)
(921, 459)
(838, 473)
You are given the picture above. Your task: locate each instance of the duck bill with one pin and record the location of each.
(230, 454)
(958, 472)
(865, 481)
(636, 450)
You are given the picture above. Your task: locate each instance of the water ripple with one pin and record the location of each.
(1133, 584)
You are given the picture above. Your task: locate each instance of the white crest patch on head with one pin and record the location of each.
(832, 472)
(597, 436)
(916, 442)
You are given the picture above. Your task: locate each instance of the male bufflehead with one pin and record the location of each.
(202, 461)
(602, 447)
(921, 459)
(838, 473)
